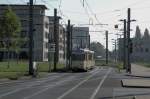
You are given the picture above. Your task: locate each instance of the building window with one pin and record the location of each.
(46, 45)
(46, 35)
(61, 39)
(46, 25)
(60, 47)
(141, 50)
(137, 49)
(146, 50)
(60, 55)
(46, 55)
(23, 33)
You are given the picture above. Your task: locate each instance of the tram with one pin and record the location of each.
(82, 59)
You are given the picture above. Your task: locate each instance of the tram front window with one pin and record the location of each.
(78, 57)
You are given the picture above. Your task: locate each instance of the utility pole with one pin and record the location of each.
(68, 45)
(106, 47)
(71, 31)
(128, 40)
(115, 51)
(119, 48)
(56, 38)
(125, 45)
(89, 42)
(31, 37)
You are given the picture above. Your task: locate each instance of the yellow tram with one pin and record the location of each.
(82, 59)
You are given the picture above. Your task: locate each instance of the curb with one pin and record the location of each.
(132, 75)
(133, 86)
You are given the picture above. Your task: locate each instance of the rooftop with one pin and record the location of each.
(20, 5)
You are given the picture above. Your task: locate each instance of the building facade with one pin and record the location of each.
(80, 38)
(40, 32)
(60, 41)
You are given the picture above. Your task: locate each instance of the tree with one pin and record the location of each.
(138, 33)
(98, 48)
(146, 35)
(10, 27)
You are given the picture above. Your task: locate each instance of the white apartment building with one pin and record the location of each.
(61, 40)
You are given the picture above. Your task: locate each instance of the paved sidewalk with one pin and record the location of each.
(143, 80)
(137, 83)
(129, 93)
(140, 71)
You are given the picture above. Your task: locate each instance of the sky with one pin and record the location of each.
(98, 11)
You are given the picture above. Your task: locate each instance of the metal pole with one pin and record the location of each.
(71, 31)
(56, 38)
(49, 59)
(68, 45)
(128, 39)
(89, 42)
(124, 43)
(49, 53)
(106, 47)
(31, 37)
(119, 48)
(115, 51)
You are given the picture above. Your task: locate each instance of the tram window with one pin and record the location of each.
(90, 56)
(78, 57)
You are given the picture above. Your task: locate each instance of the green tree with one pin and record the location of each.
(10, 27)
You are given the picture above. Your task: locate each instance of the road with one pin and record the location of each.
(98, 83)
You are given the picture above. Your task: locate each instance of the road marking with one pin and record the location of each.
(73, 88)
(29, 86)
(100, 84)
(50, 86)
(95, 69)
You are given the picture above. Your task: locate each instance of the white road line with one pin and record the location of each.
(95, 69)
(100, 84)
(50, 86)
(29, 86)
(73, 88)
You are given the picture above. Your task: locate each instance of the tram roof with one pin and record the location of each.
(82, 51)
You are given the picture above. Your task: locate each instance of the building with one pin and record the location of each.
(141, 47)
(60, 41)
(41, 30)
(80, 38)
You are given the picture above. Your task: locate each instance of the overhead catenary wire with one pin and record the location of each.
(85, 10)
(46, 3)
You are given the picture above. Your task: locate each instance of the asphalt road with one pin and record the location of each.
(98, 83)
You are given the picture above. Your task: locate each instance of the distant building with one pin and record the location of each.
(80, 38)
(41, 30)
(141, 47)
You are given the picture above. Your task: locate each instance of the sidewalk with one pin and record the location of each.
(129, 93)
(143, 80)
(140, 71)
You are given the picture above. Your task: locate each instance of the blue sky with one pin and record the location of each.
(106, 11)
